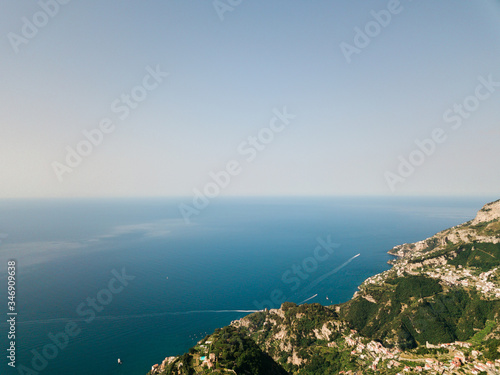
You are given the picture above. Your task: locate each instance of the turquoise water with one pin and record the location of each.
(185, 280)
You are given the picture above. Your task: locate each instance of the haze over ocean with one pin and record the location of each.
(168, 167)
(189, 279)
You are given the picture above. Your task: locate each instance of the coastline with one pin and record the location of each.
(408, 258)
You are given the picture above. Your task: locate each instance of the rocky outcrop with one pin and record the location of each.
(489, 212)
(158, 369)
(463, 233)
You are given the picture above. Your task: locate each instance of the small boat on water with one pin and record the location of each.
(119, 361)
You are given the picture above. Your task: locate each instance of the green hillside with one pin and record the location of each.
(436, 311)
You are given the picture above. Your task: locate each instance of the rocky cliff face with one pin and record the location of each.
(288, 333)
(489, 212)
(484, 228)
(441, 289)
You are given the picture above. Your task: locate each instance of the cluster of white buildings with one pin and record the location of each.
(489, 367)
(456, 363)
(376, 352)
(373, 349)
(486, 286)
(464, 278)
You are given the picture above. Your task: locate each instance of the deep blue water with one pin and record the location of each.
(238, 254)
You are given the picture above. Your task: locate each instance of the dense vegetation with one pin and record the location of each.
(236, 351)
(329, 362)
(484, 256)
(413, 310)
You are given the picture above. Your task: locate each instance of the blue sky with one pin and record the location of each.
(354, 121)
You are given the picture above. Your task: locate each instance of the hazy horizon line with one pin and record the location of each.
(184, 197)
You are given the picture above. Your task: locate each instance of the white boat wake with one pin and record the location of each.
(310, 298)
(138, 316)
(328, 274)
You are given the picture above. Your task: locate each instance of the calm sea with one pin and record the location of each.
(184, 280)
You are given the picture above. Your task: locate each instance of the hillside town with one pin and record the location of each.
(455, 356)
